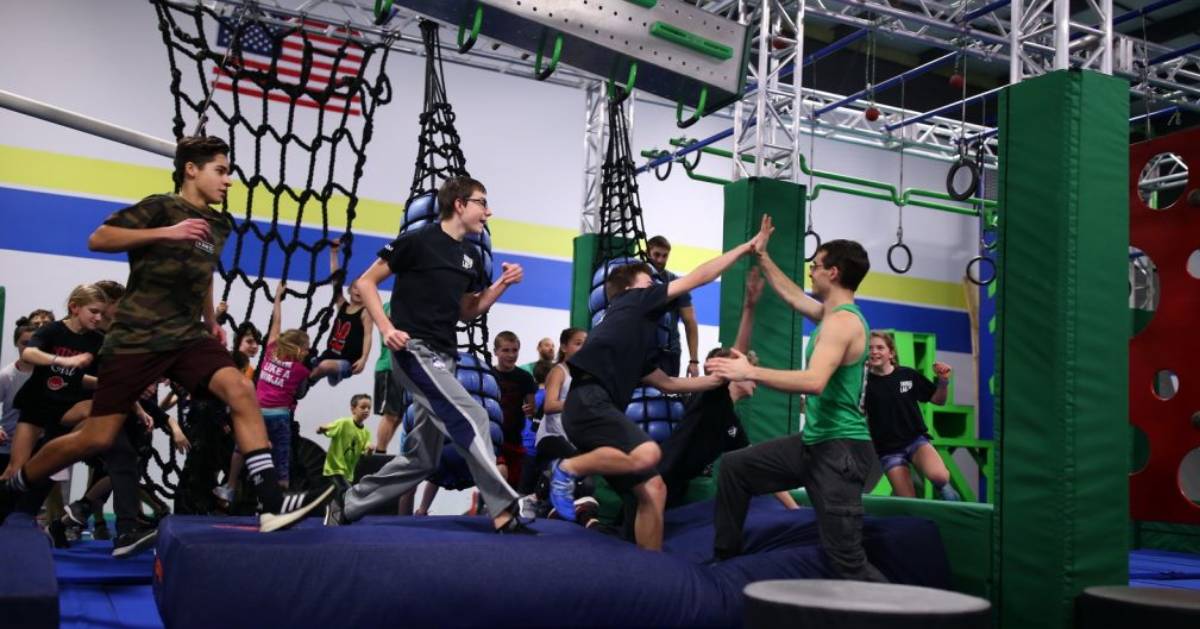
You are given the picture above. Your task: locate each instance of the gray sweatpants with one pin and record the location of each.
(443, 409)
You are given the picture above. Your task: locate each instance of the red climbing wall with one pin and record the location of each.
(1171, 341)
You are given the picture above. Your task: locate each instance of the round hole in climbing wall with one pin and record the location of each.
(1143, 289)
(1189, 476)
(1163, 181)
(1166, 384)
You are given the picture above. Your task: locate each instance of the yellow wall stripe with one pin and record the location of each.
(89, 176)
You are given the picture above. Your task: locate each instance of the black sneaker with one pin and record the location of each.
(58, 534)
(514, 527)
(100, 530)
(295, 506)
(136, 540)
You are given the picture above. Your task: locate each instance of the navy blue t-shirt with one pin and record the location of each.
(623, 348)
(433, 271)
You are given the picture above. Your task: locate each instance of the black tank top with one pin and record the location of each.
(346, 337)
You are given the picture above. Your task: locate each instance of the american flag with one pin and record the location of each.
(261, 43)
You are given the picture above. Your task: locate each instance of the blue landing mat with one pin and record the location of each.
(440, 571)
(91, 562)
(1160, 568)
(108, 606)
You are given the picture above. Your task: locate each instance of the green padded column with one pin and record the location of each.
(777, 339)
(1062, 358)
(583, 255)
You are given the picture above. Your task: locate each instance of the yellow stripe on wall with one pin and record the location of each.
(71, 174)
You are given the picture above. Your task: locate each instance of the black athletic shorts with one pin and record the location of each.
(591, 421)
(387, 394)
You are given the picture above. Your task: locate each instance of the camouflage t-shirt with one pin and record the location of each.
(168, 280)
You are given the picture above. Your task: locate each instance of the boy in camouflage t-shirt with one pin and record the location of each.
(165, 326)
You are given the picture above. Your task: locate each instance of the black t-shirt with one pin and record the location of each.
(624, 346)
(433, 271)
(55, 387)
(346, 337)
(514, 386)
(892, 411)
(710, 427)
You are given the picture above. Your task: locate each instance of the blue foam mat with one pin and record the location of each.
(437, 571)
(1162, 565)
(91, 562)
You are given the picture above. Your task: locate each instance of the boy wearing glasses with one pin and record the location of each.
(439, 282)
(833, 456)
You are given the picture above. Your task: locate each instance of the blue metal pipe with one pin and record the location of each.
(1154, 114)
(944, 108)
(903, 76)
(998, 4)
(1149, 8)
(1167, 56)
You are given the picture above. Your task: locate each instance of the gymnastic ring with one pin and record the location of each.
(670, 163)
(690, 167)
(891, 254)
(959, 164)
(813, 252)
(978, 262)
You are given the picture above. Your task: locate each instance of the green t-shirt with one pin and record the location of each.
(385, 355)
(346, 444)
(839, 413)
(168, 280)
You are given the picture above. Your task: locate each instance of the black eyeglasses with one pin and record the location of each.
(481, 202)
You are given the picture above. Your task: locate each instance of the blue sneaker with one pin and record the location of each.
(947, 493)
(562, 492)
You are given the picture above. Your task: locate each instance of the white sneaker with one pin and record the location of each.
(295, 506)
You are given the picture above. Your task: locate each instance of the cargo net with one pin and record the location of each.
(295, 99)
(440, 157)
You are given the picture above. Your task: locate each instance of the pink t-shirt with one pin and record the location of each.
(278, 380)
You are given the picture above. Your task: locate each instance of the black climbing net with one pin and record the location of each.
(295, 98)
(622, 235)
(439, 158)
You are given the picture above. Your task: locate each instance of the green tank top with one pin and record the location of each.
(838, 413)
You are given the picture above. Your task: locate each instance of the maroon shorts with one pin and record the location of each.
(123, 377)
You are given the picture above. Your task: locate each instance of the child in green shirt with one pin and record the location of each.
(348, 440)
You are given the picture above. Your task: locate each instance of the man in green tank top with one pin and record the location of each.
(833, 456)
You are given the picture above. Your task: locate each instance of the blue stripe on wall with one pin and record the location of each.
(42, 222)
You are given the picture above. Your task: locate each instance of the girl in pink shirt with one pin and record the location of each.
(281, 373)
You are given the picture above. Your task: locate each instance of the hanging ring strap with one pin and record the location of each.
(383, 11)
(900, 247)
(539, 72)
(618, 93)
(464, 46)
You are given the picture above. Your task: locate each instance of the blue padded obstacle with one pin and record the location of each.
(28, 589)
(656, 413)
(423, 210)
(440, 571)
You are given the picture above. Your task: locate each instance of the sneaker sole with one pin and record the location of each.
(141, 543)
(285, 520)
